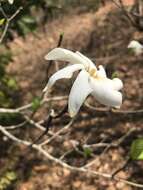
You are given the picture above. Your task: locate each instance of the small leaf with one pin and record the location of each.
(62, 34)
(87, 152)
(11, 83)
(114, 75)
(11, 176)
(28, 19)
(131, 50)
(36, 103)
(136, 152)
(2, 21)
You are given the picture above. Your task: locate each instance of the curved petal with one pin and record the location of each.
(80, 90)
(101, 72)
(89, 62)
(66, 72)
(135, 44)
(65, 55)
(117, 84)
(104, 93)
(136, 47)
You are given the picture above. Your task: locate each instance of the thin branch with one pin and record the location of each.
(8, 20)
(109, 145)
(13, 127)
(125, 12)
(65, 165)
(140, 111)
(28, 106)
(58, 45)
(124, 166)
(58, 133)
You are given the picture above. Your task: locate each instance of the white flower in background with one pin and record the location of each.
(11, 1)
(90, 80)
(136, 47)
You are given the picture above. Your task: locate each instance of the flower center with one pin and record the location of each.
(92, 72)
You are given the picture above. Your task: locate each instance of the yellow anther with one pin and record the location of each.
(92, 72)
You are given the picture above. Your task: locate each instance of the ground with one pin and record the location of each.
(102, 36)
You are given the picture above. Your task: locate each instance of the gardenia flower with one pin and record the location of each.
(90, 80)
(136, 47)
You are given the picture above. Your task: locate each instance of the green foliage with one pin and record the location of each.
(2, 20)
(33, 13)
(136, 152)
(36, 103)
(4, 101)
(8, 85)
(7, 179)
(10, 118)
(26, 24)
(114, 75)
(38, 12)
(87, 152)
(131, 51)
(11, 83)
(5, 58)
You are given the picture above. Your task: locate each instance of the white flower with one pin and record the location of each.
(136, 47)
(90, 80)
(11, 1)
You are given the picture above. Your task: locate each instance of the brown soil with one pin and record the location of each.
(29, 65)
(104, 35)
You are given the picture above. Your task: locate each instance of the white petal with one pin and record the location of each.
(117, 84)
(65, 55)
(66, 72)
(101, 72)
(135, 44)
(89, 62)
(104, 93)
(80, 90)
(11, 1)
(136, 47)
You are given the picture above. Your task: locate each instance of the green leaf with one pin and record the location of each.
(23, 27)
(87, 152)
(28, 20)
(27, 24)
(11, 83)
(36, 103)
(136, 152)
(5, 57)
(114, 75)
(62, 34)
(131, 50)
(2, 96)
(7, 180)
(2, 21)
(11, 176)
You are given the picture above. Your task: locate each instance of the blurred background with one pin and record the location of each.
(100, 30)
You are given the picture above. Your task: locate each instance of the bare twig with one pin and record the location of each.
(124, 166)
(120, 140)
(50, 62)
(13, 127)
(131, 16)
(28, 106)
(65, 165)
(8, 20)
(109, 145)
(58, 133)
(140, 111)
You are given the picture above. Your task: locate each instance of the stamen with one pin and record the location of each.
(92, 72)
